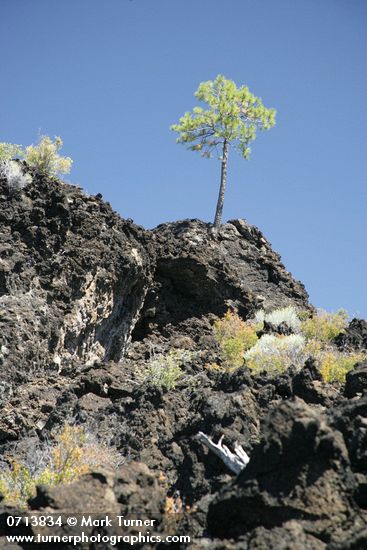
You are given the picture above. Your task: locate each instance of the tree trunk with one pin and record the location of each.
(222, 188)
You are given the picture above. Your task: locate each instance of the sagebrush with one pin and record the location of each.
(312, 336)
(275, 353)
(325, 326)
(288, 315)
(14, 173)
(75, 451)
(164, 370)
(45, 157)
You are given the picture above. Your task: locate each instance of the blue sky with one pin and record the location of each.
(110, 76)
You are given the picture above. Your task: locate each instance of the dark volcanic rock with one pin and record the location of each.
(269, 328)
(197, 274)
(300, 471)
(76, 279)
(354, 337)
(309, 385)
(349, 417)
(86, 296)
(74, 276)
(356, 381)
(131, 492)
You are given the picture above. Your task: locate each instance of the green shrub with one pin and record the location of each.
(73, 453)
(325, 326)
(164, 369)
(275, 354)
(9, 151)
(334, 365)
(45, 158)
(234, 337)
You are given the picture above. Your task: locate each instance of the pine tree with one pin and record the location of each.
(232, 119)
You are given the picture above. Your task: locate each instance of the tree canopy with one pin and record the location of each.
(232, 119)
(234, 115)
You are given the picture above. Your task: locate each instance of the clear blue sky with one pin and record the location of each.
(110, 76)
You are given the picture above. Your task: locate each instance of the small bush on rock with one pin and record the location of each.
(45, 157)
(334, 365)
(275, 354)
(74, 452)
(234, 337)
(164, 369)
(9, 151)
(288, 315)
(325, 326)
(13, 172)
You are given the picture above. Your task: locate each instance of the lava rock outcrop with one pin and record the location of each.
(84, 298)
(73, 277)
(76, 279)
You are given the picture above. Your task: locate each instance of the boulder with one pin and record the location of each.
(299, 472)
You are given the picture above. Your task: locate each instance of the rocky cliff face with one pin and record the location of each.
(75, 278)
(84, 298)
(197, 275)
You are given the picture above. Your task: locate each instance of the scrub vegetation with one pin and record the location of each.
(244, 342)
(73, 452)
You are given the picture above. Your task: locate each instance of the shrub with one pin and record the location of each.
(164, 369)
(9, 151)
(45, 157)
(275, 354)
(325, 326)
(234, 337)
(14, 174)
(334, 365)
(287, 315)
(314, 347)
(74, 453)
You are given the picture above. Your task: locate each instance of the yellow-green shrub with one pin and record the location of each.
(74, 452)
(45, 157)
(325, 326)
(17, 484)
(234, 337)
(8, 151)
(334, 365)
(164, 369)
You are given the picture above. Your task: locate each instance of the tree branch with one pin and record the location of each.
(236, 461)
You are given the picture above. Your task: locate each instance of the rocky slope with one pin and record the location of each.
(85, 296)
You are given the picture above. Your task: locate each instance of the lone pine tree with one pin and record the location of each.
(232, 118)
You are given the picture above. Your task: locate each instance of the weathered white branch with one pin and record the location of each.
(234, 461)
